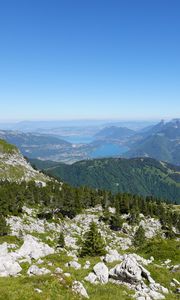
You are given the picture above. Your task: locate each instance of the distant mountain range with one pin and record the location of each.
(143, 176)
(114, 132)
(161, 142)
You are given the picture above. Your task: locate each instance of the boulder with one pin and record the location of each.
(78, 288)
(35, 270)
(129, 270)
(101, 271)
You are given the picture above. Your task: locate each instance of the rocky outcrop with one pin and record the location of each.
(130, 272)
(33, 248)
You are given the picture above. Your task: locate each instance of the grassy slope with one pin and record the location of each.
(7, 148)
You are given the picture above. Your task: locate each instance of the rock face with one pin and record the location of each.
(33, 248)
(102, 273)
(78, 288)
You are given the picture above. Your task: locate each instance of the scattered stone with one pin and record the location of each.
(58, 270)
(73, 264)
(35, 270)
(67, 274)
(112, 210)
(39, 261)
(92, 278)
(112, 256)
(78, 288)
(38, 291)
(87, 265)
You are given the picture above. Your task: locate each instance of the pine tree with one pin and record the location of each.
(4, 228)
(93, 245)
(61, 241)
(139, 236)
(116, 222)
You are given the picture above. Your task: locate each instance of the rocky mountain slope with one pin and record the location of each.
(14, 167)
(142, 176)
(59, 242)
(41, 270)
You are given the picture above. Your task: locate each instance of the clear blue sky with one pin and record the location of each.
(89, 59)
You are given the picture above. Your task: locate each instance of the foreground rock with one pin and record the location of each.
(78, 288)
(8, 264)
(131, 273)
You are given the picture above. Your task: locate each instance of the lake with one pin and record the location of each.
(108, 150)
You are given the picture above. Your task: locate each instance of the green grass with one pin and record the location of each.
(161, 250)
(23, 288)
(11, 240)
(7, 148)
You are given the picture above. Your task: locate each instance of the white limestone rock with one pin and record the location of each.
(78, 288)
(112, 256)
(8, 266)
(33, 248)
(128, 270)
(35, 270)
(102, 273)
(73, 264)
(92, 278)
(87, 265)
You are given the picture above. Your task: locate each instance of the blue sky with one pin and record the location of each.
(89, 59)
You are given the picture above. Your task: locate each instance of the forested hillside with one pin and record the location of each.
(143, 176)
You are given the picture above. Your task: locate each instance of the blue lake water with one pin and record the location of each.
(78, 139)
(108, 150)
